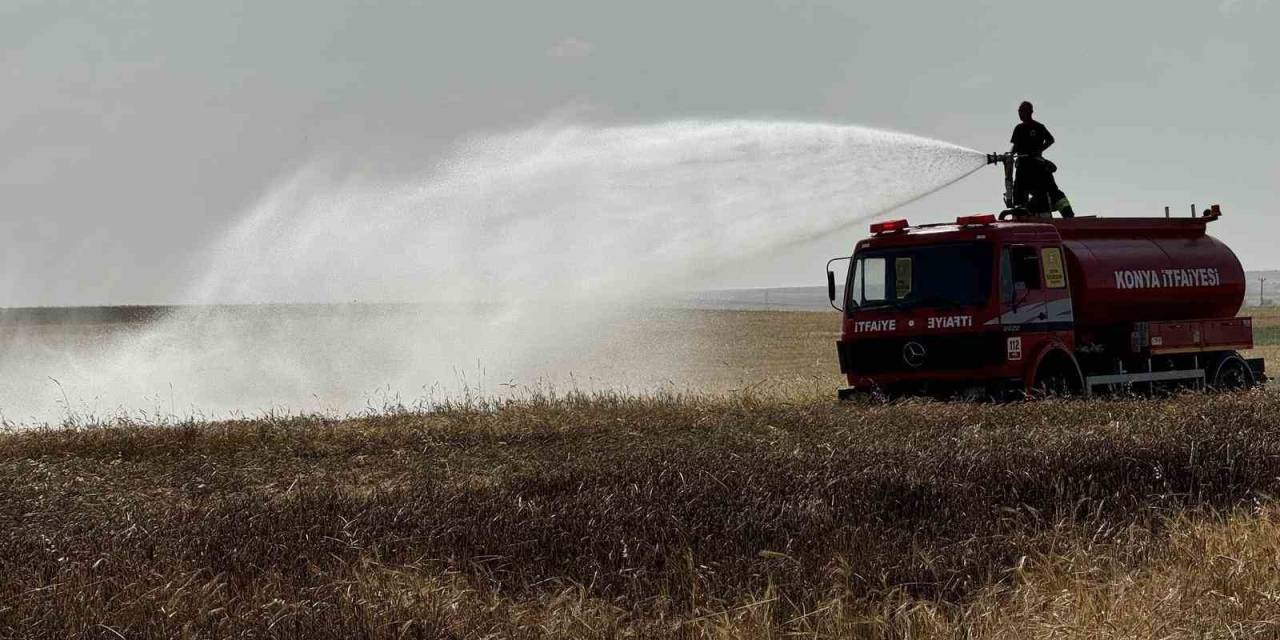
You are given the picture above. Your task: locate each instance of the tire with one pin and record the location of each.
(1231, 374)
(1057, 377)
(1052, 384)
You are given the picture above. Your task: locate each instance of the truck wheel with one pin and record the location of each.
(1232, 374)
(1052, 384)
(1057, 377)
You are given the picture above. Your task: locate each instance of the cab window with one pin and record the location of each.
(873, 280)
(1020, 269)
(944, 275)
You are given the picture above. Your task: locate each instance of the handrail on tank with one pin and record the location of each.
(1155, 226)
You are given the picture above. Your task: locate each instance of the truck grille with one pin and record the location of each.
(927, 353)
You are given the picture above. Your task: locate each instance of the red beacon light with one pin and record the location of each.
(889, 226)
(976, 220)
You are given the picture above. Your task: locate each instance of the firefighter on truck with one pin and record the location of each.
(1034, 187)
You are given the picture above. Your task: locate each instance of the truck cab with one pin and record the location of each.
(984, 308)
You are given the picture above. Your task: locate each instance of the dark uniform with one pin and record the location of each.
(1031, 138)
(1034, 185)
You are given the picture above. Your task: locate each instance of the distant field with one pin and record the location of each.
(725, 339)
(1266, 335)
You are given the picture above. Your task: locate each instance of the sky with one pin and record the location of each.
(131, 134)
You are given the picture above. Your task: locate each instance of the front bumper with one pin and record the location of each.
(913, 356)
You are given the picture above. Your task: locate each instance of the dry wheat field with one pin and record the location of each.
(752, 506)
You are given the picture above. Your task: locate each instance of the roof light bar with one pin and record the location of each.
(980, 219)
(889, 226)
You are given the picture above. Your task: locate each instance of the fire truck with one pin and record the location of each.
(984, 307)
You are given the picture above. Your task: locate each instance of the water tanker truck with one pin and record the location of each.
(988, 308)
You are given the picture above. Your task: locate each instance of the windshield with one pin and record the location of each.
(952, 275)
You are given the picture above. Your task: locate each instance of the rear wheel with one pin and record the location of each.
(1231, 374)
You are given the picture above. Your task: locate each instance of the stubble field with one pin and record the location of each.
(748, 505)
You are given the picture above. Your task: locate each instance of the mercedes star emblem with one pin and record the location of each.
(913, 353)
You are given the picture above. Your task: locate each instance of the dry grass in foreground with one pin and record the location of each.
(654, 517)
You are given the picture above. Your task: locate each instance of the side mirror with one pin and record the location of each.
(831, 283)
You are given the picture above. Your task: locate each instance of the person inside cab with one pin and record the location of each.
(1034, 187)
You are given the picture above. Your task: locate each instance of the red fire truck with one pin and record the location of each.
(986, 308)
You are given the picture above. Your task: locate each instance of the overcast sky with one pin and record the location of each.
(133, 133)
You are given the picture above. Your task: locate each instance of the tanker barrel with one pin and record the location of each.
(1143, 270)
